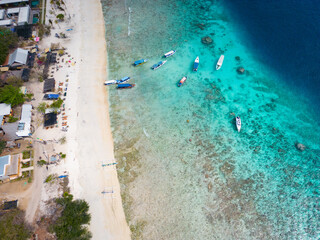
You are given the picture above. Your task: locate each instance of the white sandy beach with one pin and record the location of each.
(89, 138)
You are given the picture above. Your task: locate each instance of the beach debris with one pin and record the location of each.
(300, 146)
(109, 164)
(240, 70)
(207, 40)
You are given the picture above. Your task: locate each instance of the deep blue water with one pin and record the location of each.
(285, 35)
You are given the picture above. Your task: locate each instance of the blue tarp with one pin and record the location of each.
(51, 96)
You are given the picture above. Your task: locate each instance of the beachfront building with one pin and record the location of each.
(50, 119)
(18, 57)
(24, 127)
(10, 167)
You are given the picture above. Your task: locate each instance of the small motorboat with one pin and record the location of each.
(196, 64)
(110, 82)
(140, 62)
(238, 123)
(182, 81)
(169, 54)
(122, 80)
(157, 65)
(125, 85)
(219, 63)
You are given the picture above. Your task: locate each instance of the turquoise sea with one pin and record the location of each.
(185, 171)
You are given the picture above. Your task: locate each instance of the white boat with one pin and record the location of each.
(157, 65)
(238, 123)
(219, 63)
(168, 54)
(110, 82)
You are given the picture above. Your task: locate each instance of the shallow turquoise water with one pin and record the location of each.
(194, 176)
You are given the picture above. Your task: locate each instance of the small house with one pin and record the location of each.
(24, 127)
(18, 57)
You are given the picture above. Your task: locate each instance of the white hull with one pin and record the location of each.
(238, 123)
(219, 63)
(110, 82)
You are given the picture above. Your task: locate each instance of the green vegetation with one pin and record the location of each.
(74, 215)
(63, 140)
(26, 165)
(29, 96)
(42, 107)
(2, 146)
(8, 40)
(12, 119)
(13, 225)
(41, 162)
(26, 154)
(50, 178)
(11, 95)
(63, 155)
(43, 30)
(57, 103)
(15, 81)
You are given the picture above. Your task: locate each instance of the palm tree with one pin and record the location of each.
(11, 95)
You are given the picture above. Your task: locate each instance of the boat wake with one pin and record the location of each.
(129, 21)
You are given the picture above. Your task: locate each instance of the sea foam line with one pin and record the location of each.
(129, 21)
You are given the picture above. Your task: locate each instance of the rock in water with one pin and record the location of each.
(300, 147)
(207, 40)
(237, 58)
(240, 70)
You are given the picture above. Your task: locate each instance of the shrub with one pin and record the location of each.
(2, 146)
(13, 225)
(50, 178)
(26, 154)
(41, 162)
(12, 119)
(57, 103)
(8, 40)
(42, 107)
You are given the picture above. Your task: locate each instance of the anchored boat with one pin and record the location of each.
(125, 85)
(168, 54)
(157, 65)
(219, 63)
(196, 64)
(238, 123)
(140, 62)
(122, 80)
(182, 81)
(110, 82)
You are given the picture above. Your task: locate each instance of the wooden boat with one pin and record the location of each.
(140, 62)
(125, 85)
(182, 81)
(157, 65)
(169, 54)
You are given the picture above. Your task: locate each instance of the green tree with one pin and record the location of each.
(74, 215)
(60, 17)
(57, 103)
(2, 146)
(8, 40)
(42, 107)
(11, 95)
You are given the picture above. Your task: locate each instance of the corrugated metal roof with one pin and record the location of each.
(13, 10)
(13, 167)
(3, 162)
(12, 1)
(25, 122)
(5, 22)
(19, 55)
(1, 14)
(24, 15)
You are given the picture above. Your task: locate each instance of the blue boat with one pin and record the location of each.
(125, 85)
(157, 65)
(124, 79)
(168, 54)
(196, 64)
(51, 96)
(140, 62)
(182, 81)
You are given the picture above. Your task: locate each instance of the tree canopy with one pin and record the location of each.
(8, 40)
(74, 215)
(11, 95)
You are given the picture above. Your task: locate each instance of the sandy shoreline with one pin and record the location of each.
(93, 143)
(89, 139)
